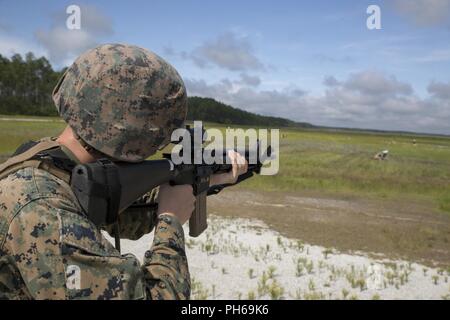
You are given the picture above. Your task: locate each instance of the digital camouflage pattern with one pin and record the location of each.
(122, 100)
(49, 250)
(137, 221)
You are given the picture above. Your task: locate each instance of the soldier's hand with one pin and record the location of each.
(238, 166)
(177, 201)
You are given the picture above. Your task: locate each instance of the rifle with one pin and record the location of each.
(105, 188)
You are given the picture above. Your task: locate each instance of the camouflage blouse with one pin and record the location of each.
(49, 250)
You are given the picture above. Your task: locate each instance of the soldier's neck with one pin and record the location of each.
(68, 139)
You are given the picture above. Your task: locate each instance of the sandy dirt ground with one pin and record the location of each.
(238, 258)
(399, 229)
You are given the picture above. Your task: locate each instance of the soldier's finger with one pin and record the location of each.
(234, 168)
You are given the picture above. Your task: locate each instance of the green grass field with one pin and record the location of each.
(332, 163)
(341, 163)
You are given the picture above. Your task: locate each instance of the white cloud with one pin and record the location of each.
(249, 80)
(10, 45)
(366, 99)
(330, 81)
(424, 12)
(228, 51)
(63, 45)
(4, 27)
(439, 90)
(439, 55)
(376, 83)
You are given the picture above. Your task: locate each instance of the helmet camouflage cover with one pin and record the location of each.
(122, 100)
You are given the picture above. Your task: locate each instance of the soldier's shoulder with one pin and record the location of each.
(50, 185)
(29, 184)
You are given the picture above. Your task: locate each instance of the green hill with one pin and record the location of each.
(210, 110)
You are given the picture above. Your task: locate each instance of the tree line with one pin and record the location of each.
(208, 109)
(26, 85)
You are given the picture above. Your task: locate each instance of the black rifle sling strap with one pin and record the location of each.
(113, 188)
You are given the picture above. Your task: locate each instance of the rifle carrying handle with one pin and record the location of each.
(197, 222)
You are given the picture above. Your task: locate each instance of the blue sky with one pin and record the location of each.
(312, 61)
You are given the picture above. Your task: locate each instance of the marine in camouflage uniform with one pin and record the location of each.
(122, 102)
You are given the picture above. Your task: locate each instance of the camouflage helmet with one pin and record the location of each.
(122, 100)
